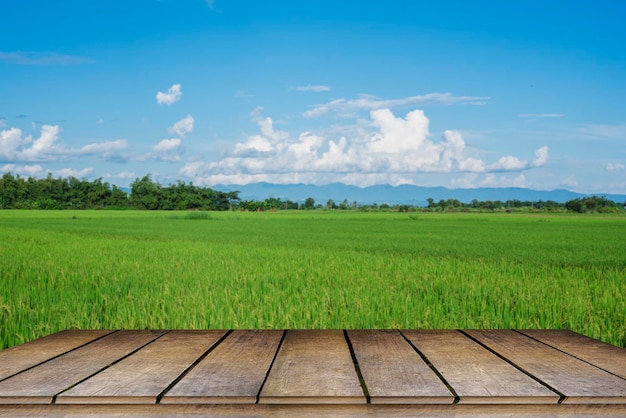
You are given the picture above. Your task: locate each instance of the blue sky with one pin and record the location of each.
(443, 93)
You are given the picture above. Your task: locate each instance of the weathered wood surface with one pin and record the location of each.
(603, 355)
(394, 371)
(313, 373)
(476, 374)
(232, 373)
(576, 380)
(42, 383)
(313, 367)
(142, 377)
(314, 411)
(20, 358)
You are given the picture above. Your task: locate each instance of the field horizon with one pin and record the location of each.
(310, 270)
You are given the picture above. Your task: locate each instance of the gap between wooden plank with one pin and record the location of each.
(56, 355)
(357, 368)
(232, 372)
(54, 398)
(561, 395)
(566, 352)
(194, 364)
(280, 343)
(476, 374)
(433, 368)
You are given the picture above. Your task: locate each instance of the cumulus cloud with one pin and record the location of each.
(14, 146)
(511, 163)
(10, 141)
(390, 149)
(316, 89)
(172, 96)
(28, 170)
(541, 156)
(367, 102)
(70, 172)
(492, 180)
(36, 170)
(614, 167)
(44, 147)
(167, 150)
(105, 148)
(183, 127)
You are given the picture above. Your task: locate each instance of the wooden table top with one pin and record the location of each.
(335, 372)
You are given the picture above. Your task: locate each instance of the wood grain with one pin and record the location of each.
(598, 353)
(393, 372)
(40, 384)
(313, 366)
(580, 382)
(232, 373)
(476, 374)
(312, 411)
(314, 373)
(16, 359)
(141, 377)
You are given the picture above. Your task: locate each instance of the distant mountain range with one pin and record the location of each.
(398, 195)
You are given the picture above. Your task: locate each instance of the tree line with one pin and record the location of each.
(71, 193)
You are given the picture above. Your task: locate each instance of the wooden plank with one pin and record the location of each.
(477, 375)
(393, 372)
(312, 411)
(578, 381)
(15, 359)
(313, 366)
(40, 384)
(142, 377)
(232, 373)
(598, 353)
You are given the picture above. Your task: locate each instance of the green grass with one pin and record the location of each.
(309, 269)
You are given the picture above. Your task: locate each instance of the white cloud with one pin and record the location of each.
(70, 172)
(541, 156)
(183, 127)
(44, 147)
(10, 141)
(491, 180)
(14, 146)
(511, 163)
(569, 182)
(614, 167)
(3, 122)
(508, 163)
(367, 102)
(172, 96)
(122, 175)
(105, 148)
(167, 150)
(387, 149)
(36, 170)
(24, 170)
(316, 89)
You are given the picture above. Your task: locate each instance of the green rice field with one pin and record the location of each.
(310, 269)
